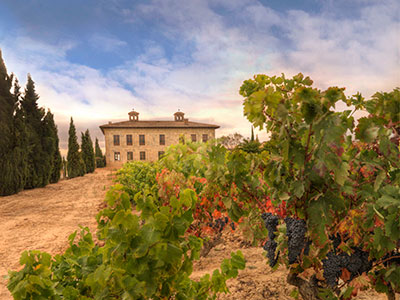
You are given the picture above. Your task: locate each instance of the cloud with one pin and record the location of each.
(106, 43)
(206, 51)
(361, 54)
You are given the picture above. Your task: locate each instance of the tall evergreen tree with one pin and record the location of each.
(75, 163)
(37, 158)
(7, 106)
(100, 159)
(64, 167)
(48, 139)
(50, 143)
(20, 140)
(88, 152)
(57, 161)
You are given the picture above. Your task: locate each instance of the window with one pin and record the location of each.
(141, 139)
(116, 140)
(205, 138)
(117, 156)
(194, 138)
(142, 155)
(129, 139)
(160, 154)
(129, 155)
(162, 139)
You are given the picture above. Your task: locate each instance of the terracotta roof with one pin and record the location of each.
(157, 124)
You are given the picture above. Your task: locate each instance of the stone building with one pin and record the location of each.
(147, 140)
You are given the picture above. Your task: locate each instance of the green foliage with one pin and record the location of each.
(338, 185)
(137, 176)
(38, 160)
(188, 159)
(7, 155)
(99, 157)
(49, 143)
(13, 144)
(144, 257)
(57, 161)
(76, 165)
(29, 138)
(250, 146)
(20, 142)
(88, 152)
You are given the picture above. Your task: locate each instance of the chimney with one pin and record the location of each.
(133, 116)
(186, 121)
(179, 116)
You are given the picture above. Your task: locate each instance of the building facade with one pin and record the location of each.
(147, 140)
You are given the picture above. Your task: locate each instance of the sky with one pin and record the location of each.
(96, 60)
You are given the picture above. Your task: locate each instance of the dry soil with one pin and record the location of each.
(43, 218)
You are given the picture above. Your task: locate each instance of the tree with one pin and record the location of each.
(37, 169)
(57, 162)
(49, 136)
(51, 147)
(76, 165)
(7, 105)
(100, 159)
(64, 167)
(88, 152)
(231, 141)
(20, 143)
(251, 145)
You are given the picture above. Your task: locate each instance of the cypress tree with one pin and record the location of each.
(83, 150)
(64, 167)
(75, 163)
(7, 106)
(57, 161)
(88, 152)
(37, 168)
(50, 143)
(20, 142)
(100, 159)
(49, 146)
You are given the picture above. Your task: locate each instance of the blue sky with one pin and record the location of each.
(96, 60)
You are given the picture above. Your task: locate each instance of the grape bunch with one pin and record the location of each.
(271, 223)
(356, 263)
(270, 247)
(332, 266)
(219, 224)
(296, 232)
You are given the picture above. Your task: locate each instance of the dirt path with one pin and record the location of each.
(43, 218)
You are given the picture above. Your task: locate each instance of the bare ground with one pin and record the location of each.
(257, 281)
(43, 219)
